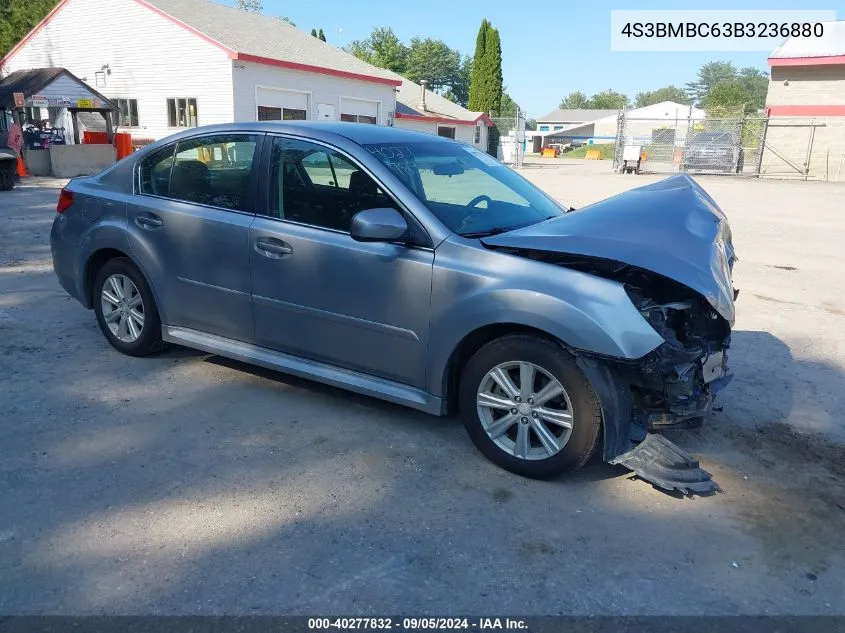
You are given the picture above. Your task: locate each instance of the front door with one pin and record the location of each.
(189, 229)
(319, 294)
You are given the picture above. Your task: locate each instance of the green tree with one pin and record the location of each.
(284, 18)
(382, 49)
(433, 61)
(669, 93)
(493, 52)
(709, 75)
(574, 101)
(726, 95)
(478, 86)
(459, 89)
(256, 6)
(756, 84)
(313, 32)
(321, 36)
(607, 100)
(19, 17)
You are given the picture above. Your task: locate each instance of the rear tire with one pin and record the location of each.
(544, 455)
(125, 309)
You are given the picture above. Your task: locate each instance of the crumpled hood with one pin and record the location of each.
(671, 227)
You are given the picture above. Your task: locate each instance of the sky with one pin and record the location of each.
(549, 48)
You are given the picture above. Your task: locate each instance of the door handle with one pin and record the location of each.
(148, 221)
(272, 248)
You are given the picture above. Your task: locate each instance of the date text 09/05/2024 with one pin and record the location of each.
(418, 624)
(722, 29)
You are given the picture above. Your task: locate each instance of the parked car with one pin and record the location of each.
(419, 270)
(714, 151)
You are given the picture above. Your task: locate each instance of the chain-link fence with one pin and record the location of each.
(506, 138)
(730, 143)
(716, 144)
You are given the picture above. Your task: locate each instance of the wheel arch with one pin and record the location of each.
(99, 258)
(470, 344)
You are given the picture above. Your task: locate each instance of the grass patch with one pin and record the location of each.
(608, 151)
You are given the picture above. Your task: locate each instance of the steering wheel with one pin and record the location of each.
(478, 199)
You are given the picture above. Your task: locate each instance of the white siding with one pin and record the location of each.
(321, 89)
(463, 133)
(150, 58)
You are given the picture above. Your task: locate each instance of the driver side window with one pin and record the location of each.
(313, 184)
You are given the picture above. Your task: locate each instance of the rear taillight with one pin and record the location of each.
(65, 200)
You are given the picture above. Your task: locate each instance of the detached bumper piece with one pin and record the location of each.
(660, 462)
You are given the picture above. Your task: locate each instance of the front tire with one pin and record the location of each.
(528, 407)
(126, 310)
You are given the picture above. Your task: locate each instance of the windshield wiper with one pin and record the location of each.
(491, 231)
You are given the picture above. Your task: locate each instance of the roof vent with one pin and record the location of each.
(422, 107)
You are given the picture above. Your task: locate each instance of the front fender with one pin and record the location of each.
(473, 288)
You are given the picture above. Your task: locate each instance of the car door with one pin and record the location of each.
(319, 294)
(189, 229)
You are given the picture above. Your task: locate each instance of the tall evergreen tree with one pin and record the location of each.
(313, 32)
(493, 53)
(478, 77)
(321, 35)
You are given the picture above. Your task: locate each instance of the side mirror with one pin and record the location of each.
(378, 225)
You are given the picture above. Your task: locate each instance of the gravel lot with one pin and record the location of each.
(185, 484)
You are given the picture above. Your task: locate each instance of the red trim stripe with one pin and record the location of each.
(806, 110)
(268, 61)
(807, 61)
(438, 119)
(33, 32)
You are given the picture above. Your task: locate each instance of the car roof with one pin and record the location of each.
(360, 133)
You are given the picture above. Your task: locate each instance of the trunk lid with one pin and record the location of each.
(671, 227)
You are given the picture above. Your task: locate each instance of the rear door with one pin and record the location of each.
(189, 228)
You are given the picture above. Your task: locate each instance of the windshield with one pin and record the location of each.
(470, 192)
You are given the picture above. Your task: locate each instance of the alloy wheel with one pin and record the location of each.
(123, 308)
(525, 410)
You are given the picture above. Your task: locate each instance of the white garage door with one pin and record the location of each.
(359, 110)
(276, 104)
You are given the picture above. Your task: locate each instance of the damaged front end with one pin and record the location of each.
(669, 245)
(672, 387)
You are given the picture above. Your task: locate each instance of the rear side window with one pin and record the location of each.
(214, 170)
(155, 172)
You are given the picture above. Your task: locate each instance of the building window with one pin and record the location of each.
(268, 113)
(477, 137)
(358, 118)
(127, 112)
(558, 127)
(543, 128)
(182, 113)
(448, 132)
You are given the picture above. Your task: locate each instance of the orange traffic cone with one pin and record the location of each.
(21, 168)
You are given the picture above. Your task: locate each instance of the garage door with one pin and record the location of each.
(359, 110)
(276, 104)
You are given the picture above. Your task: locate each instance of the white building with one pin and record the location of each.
(171, 64)
(426, 111)
(600, 126)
